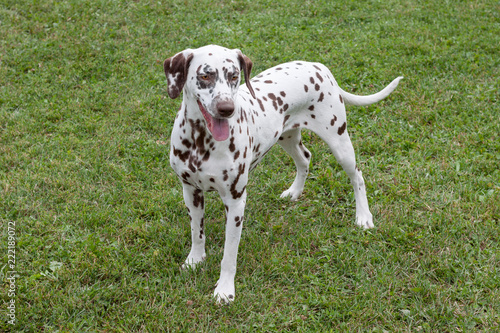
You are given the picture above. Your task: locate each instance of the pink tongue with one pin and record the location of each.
(219, 129)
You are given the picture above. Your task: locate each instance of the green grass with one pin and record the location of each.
(101, 227)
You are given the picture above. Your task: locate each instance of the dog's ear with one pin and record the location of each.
(246, 66)
(176, 69)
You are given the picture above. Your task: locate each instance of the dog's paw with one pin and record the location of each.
(192, 261)
(365, 221)
(223, 298)
(291, 193)
(224, 293)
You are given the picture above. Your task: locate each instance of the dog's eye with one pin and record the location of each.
(204, 77)
(234, 78)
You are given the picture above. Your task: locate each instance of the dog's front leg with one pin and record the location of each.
(195, 204)
(235, 209)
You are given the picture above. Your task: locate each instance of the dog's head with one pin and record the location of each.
(211, 75)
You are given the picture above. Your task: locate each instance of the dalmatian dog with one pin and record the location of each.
(222, 131)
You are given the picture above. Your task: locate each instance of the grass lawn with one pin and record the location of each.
(100, 225)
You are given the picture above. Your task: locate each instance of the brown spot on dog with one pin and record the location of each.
(341, 100)
(232, 147)
(202, 222)
(311, 108)
(198, 200)
(234, 192)
(274, 99)
(321, 97)
(261, 105)
(282, 93)
(285, 120)
(306, 88)
(334, 119)
(319, 77)
(206, 157)
(183, 156)
(342, 128)
(317, 87)
(268, 81)
(285, 107)
(191, 165)
(238, 220)
(185, 176)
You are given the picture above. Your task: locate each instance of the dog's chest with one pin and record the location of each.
(201, 161)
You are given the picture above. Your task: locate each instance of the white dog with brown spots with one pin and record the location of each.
(222, 131)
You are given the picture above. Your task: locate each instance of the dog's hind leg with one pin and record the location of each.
(340, 144)
(292, 143)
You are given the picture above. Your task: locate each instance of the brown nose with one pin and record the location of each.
(225, 108)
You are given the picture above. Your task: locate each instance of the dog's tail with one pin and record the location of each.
(370, 99)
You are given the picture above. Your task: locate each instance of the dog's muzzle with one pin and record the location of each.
(218, 126)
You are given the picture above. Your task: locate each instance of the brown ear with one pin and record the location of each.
(176, 69)
(246, 66)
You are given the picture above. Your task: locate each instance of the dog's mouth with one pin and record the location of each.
(218, 127)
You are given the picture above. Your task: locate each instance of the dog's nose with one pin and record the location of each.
(225, 108)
